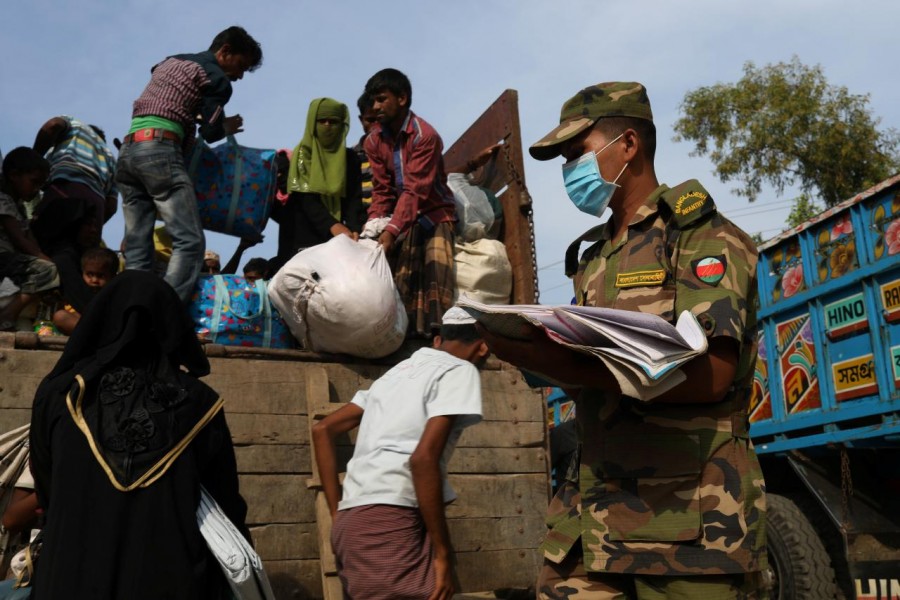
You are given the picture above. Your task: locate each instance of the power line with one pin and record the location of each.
(556, 287)
(559, 262)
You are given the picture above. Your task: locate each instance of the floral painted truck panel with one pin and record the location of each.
(829, 340)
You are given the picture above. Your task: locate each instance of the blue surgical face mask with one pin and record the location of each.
(586, 188)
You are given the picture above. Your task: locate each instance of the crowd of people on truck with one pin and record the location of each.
(668, 501)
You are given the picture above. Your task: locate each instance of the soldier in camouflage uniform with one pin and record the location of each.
(669, 500)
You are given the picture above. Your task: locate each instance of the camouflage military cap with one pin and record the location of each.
(611, 99)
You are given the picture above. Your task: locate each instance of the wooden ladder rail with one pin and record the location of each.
(317, 404)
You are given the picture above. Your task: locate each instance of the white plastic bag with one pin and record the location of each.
(476, 216)
(483, 271)
(340, 297)
(373, 228)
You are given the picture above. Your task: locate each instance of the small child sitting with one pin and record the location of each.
(98, 266)
(21, 259)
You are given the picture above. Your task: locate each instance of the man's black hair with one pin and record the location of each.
(99, 132)
(364, 103)
(466, 334)
(25, 160)
(260, 265)
(240, 42)
(391, 80)
(105, 256)
(611, 127)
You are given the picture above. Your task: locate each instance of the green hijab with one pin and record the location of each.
(319, 162)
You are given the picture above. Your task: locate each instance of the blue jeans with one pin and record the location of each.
(153, 179)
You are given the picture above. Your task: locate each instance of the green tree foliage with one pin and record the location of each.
(784, 125)
(804, 209)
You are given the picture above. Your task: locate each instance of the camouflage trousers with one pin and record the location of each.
(569, 580)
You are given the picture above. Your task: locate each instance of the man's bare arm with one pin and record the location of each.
(429, 485)
(323, 435)
(50, 134)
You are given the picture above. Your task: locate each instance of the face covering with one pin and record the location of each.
(587, 189)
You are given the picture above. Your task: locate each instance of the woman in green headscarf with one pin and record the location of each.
(324, 184)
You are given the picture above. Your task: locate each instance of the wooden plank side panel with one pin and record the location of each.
(503, 434)
(289, 541)
(498, 460)
(249, 428)
(279, 387)
(497, 533)
(277, 499)
(294, 579)
(498, 495)
(20, 373)
(270, 458)
(497, 569)
(10, 418)
(515, 406)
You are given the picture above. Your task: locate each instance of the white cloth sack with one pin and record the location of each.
(476, 216)
(373, 228)
(340, 297)
(239, 561)
(483, 271)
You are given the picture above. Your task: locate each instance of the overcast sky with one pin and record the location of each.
(91, 59)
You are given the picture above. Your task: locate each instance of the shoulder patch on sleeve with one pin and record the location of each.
(688, 202)
(710, 269)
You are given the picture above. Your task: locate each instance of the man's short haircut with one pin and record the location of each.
(25, 160)
(364, 103)
(391, 80)
(240, 42)
(259, 265)
(466, 334)
(104, 256)
(611, 127)
(99, 132)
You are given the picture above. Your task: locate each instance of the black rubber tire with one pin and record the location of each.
(799, 566)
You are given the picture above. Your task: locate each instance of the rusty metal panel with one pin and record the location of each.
(505, 176)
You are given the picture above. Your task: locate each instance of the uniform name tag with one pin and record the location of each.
(639, 278)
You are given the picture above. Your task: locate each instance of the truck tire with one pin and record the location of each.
(799, 567)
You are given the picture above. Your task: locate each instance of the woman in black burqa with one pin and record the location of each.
(121, 440)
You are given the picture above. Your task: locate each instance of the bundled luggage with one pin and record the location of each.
(340, 297)
(483, 271)
(473, 208)
(228, 310)
(235, 186)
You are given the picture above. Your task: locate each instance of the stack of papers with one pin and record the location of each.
(241, 564)
(643, 351)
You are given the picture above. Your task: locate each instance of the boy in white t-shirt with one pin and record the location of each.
(390, 532)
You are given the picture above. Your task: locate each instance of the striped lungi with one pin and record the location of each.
(383, 552)
(423, 272)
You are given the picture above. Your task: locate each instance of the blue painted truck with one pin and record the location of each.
(825, 408)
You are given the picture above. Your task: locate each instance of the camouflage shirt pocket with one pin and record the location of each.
(654, 486)
(654, 299)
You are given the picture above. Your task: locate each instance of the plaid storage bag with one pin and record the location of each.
(235, 186)
(228, 310)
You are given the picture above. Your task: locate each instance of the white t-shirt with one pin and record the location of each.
(428, 384)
